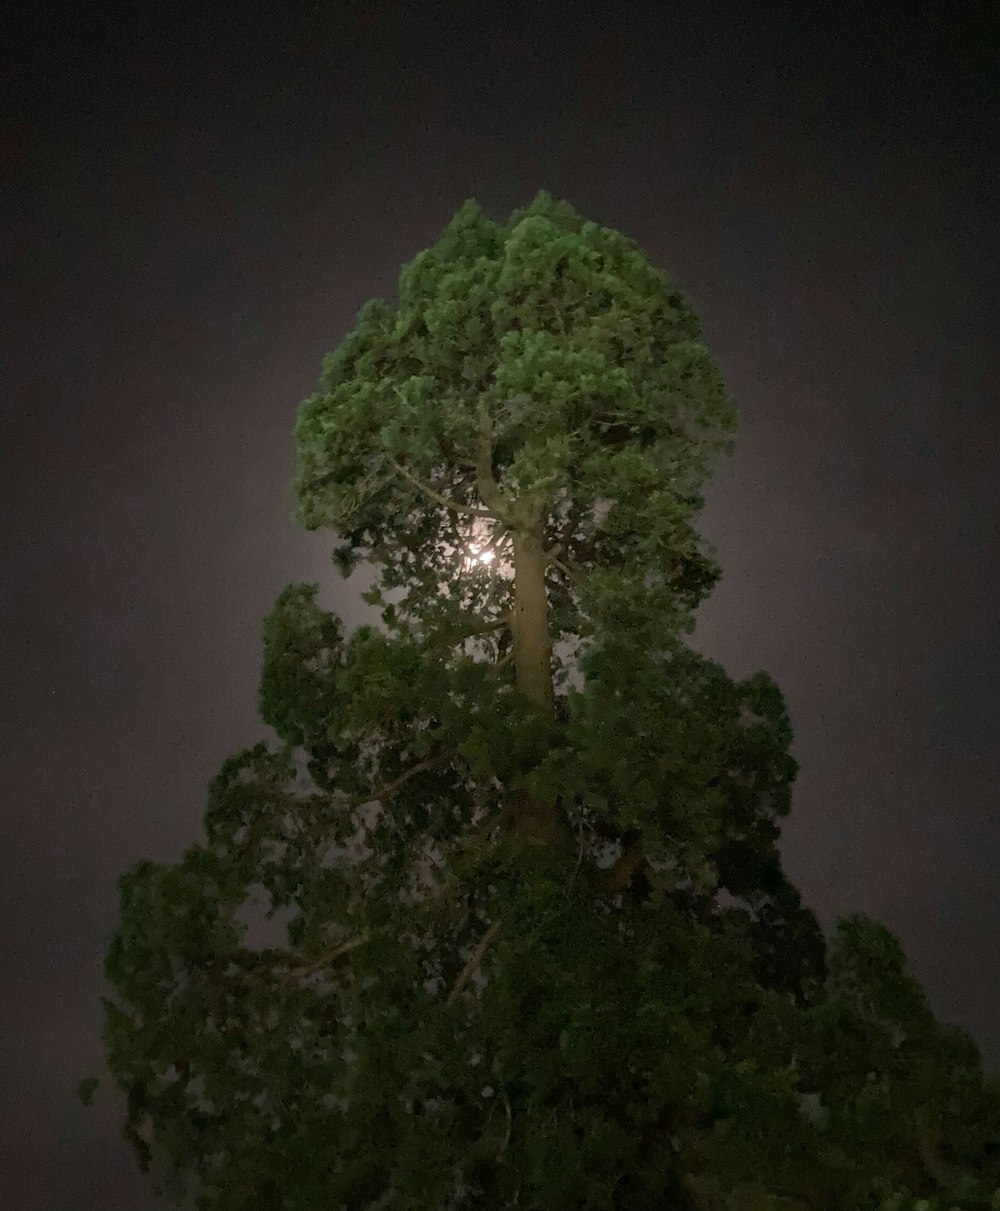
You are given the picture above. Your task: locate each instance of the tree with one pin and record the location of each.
(536, 948)
(905, 1098)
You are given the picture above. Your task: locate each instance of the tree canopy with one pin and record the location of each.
(530, 943)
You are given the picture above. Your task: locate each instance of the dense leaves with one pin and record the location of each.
(543, 365)
(498, 920)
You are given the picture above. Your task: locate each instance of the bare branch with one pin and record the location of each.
(474, 960)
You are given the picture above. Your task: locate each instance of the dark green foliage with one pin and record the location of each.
(524, 949)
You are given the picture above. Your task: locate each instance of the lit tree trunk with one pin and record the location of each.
(532, 641)
(522, 517)
(534, 822)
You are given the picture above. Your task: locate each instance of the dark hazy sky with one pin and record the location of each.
(198, 199)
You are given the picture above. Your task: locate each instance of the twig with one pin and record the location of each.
(474, 960)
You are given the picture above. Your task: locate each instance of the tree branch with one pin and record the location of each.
(487, 486)
(311, 966)
(474, 960)
(388, 789)
(484, 628)
(437, 497)
(504, 660)
(572, 574)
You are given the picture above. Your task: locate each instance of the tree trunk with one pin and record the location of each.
(535, 824)
(532, 642)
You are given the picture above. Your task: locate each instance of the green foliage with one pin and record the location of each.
(442, 947)
(547, 354)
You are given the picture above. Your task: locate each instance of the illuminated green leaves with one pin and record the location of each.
(579, 364)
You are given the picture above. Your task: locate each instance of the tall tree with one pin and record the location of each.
(533, 946)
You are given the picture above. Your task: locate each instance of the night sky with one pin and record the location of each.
(196, 204)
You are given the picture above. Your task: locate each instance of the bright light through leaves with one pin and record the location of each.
(485, 549)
